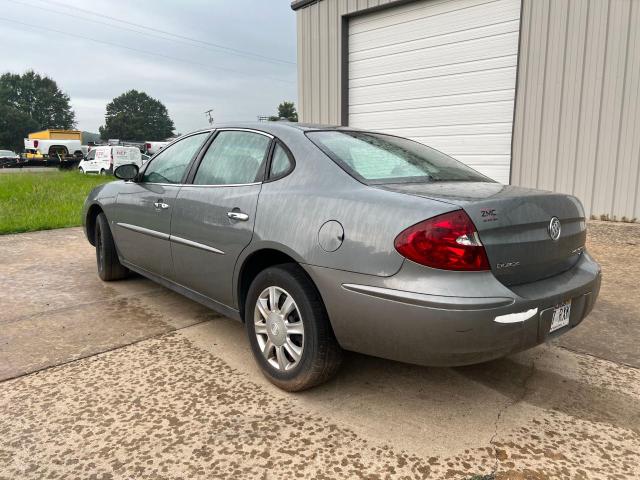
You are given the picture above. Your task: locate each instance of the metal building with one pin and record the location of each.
(539, 93)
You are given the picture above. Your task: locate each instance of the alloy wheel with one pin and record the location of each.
(279, 328)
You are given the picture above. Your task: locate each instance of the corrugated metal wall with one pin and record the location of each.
(577, 116)
(577, 123)
(319, 55)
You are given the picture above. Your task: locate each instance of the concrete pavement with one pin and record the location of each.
(128, 380)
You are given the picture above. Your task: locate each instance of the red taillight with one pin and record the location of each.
(35, 144)
(448, 241)
(148, 146)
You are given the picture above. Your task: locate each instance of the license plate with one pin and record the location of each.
(561, 314)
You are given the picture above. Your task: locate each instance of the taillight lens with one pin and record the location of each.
(35, 144)
(448, 242)
(148, 146)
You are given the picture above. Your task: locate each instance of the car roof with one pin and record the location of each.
(279, 126)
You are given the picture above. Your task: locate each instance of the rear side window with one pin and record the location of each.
(281, 163)
(234, 157)
(377, 158)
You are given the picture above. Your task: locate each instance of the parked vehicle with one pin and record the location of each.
(105, 159)
(55, 149)
(322, 239)
(9, 158)
(144, 158)
(151, 148)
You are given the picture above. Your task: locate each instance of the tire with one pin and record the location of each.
(103, 172)
(81, 170)
(109, 266)
(319, 353)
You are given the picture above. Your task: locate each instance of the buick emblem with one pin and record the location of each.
(275, 330)
(554, 228)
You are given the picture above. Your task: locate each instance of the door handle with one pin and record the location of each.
(243, 217)
(160, 205)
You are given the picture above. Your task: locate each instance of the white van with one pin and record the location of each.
(105, 159)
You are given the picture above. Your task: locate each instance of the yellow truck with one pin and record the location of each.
(53, 144)
(53, 134)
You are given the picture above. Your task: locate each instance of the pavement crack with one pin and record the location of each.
(591, 355)
(50, 311)
(524, 390)
(107, 350)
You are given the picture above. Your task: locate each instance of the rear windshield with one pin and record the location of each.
(375, 158)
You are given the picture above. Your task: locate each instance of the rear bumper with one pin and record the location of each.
(431, 317)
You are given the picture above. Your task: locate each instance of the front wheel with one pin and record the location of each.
(109, 266)
(81, 170)
(289, 330)
(103, 172)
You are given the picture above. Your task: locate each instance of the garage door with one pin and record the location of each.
(442, 73)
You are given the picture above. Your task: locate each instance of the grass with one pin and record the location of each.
(33, 201)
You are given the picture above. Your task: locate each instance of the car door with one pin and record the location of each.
(87, 163)
(142, 212)
(101, 160)
(214, 215)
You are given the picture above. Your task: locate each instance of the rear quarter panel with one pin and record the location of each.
(292, 210)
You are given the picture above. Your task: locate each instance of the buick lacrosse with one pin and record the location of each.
(323, 239)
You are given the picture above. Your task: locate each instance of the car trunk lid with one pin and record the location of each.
(514, 225)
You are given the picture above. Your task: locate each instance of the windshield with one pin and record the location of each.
(378, 158)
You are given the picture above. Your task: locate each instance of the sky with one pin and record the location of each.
(236, 57)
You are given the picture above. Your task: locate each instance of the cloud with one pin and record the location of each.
(187, 77)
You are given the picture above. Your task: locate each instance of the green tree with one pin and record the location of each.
(136, 116)
(30, 102)
(39, 98)
(14, 128)
(286, 110)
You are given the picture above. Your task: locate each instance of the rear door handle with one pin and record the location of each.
(160, 205)
(243, 217)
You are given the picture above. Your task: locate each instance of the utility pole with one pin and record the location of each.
(209, 114)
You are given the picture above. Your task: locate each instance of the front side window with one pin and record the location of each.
(170, 164)
(378, 158)
(91, 155)
(234, 157)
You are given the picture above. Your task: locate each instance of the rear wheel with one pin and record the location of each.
(109, 266)
(289, 330)
(103, 171)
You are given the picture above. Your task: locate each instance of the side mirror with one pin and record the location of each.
(126, 172)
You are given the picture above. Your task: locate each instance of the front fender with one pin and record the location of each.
(98, 200)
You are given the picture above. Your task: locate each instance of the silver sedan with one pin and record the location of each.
(321, 239)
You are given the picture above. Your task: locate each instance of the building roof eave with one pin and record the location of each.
(298, 4)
